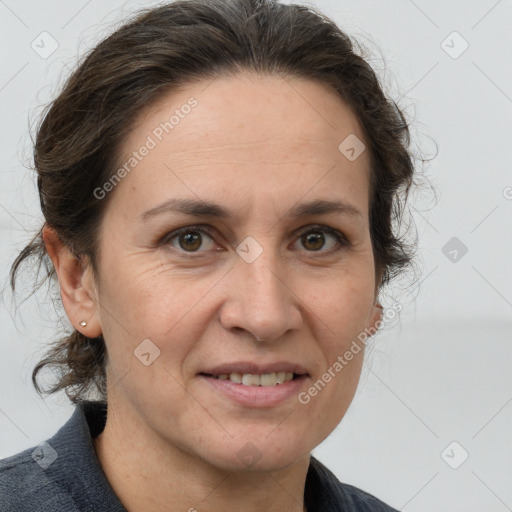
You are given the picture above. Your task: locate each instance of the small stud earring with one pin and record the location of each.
(83, 323)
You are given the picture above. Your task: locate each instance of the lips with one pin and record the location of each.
(256, 385)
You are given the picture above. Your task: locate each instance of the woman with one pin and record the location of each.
(219, 181)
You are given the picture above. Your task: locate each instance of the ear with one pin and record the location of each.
(77, 286)
(375, 318)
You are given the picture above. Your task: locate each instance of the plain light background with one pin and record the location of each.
(437, 386)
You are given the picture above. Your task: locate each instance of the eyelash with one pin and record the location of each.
(340, 238)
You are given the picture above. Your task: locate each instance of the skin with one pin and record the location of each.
(257, 145)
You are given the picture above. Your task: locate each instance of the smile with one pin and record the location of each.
(249, 379)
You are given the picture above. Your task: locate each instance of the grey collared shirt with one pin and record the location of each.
(64, 474)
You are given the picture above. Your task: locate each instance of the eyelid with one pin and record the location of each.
(206, 229)
(323, 228)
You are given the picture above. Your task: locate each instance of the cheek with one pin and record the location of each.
(343, 308)
(344, 303)
(147, 302)
(149, 296)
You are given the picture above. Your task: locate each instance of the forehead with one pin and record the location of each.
(243, 138)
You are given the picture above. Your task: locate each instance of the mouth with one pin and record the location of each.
(251, 379)
(252, 385)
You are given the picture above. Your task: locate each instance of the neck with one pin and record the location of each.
(147, 473)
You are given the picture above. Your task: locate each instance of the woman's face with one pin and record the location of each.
(258, 284)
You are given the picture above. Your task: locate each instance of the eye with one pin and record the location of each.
(196, 239)
(189, 239)
(313, 238)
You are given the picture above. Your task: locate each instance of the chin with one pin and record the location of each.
(257, 453)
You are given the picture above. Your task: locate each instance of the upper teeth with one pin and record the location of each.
(248, 379)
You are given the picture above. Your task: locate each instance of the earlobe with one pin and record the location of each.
(376, 318)
(77, 288)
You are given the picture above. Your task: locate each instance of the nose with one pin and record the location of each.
(260, 300)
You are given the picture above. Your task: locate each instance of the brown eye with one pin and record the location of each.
(190, 240)
(313, 241)
(316, 238)
(196, 239)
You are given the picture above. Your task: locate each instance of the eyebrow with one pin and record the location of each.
(208, 209)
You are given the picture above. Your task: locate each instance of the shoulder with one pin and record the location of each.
(325, 492)
(62, 473)
(25, 486)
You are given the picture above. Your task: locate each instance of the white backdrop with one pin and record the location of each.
(429, 428)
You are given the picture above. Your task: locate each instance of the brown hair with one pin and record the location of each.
(155, 52)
